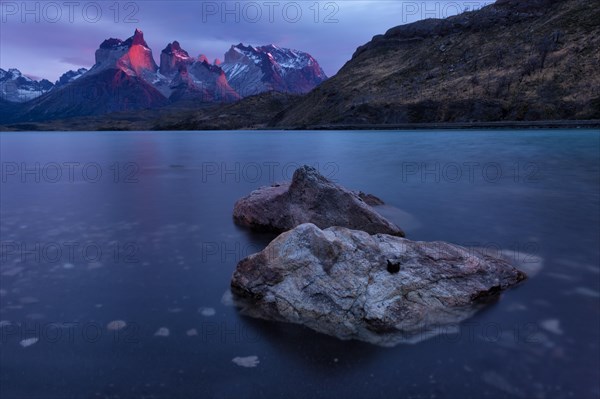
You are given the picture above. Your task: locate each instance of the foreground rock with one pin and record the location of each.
(375, 288)
(310, 198)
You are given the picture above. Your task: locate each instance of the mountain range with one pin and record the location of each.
(125, 77)
(511, 61)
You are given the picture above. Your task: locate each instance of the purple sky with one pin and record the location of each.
(45, 39)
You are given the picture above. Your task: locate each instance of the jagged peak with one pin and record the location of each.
(175, 49)
(138, 38)
(15, 72)
(111, 43)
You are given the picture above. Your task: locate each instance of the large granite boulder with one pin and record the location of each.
(376, 288)
(310, 198)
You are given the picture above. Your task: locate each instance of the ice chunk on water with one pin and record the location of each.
(116, 325)
(248, 361)
(191, 333)
(552, 325)
(28, 342)
(162, 332)
(13, 271)
(227, 299)
(587, 292)
(207, 312)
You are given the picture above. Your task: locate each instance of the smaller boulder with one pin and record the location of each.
(311, 198)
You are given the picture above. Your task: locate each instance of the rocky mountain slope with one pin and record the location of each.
(252, 70)
(69, 77)
(513, 60)
(194, 78)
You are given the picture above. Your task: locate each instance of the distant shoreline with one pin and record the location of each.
(582, 124)
(54, 126)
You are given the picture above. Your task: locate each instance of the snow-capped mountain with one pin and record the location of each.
(16, 87)
(126, 77)
(252, 70)
(69, 77)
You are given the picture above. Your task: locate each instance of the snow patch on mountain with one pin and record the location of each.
(16, 87)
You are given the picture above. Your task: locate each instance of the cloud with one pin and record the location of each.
(330, 31)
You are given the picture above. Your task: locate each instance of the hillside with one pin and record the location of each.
(514, 60)
(249, 113)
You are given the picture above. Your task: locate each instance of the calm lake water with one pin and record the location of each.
(99, 227)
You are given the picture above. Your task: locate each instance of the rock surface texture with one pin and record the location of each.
(310, 198)
(375, 288)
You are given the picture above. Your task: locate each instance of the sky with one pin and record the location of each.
(44, 39)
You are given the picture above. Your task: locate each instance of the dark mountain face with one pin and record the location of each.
(252, 70)
(16, 87)
(172, 58)
(194, 78)
(69, 77)
(513, 60)
(110, 90)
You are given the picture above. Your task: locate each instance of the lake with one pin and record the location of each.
(137, 227)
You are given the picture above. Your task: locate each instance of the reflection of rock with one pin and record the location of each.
(369, 199)
(309, 198)
(339, 282)
(527, 262)
(399, 217)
